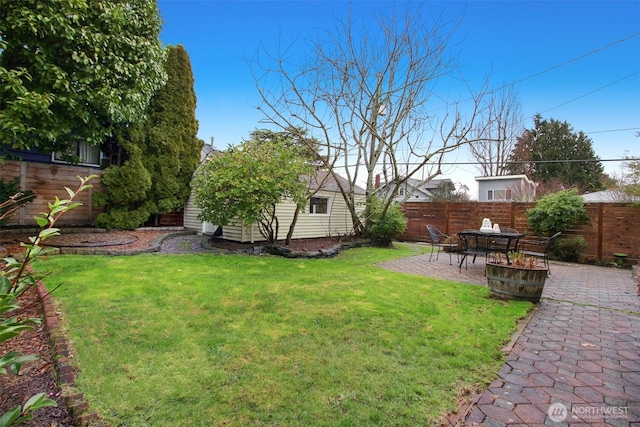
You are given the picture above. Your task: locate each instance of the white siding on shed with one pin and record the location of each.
(308, 226)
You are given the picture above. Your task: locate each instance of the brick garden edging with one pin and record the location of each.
(65, 372)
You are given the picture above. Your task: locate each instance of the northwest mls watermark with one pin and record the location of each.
(559, 412)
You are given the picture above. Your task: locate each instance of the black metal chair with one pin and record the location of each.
(503, 245)
(538, 249)
(473, 243)
(441, 241)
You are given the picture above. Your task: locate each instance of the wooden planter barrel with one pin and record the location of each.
(515, 283)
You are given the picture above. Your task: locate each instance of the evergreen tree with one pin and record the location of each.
(546, 145)
(163, 148)
(172, 150)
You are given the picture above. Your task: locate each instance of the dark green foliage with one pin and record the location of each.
(552, 140)
(122, 218)
(172, 149)
(153, 174)
(557, 212)
(568, 249)
(385, 226)
(72, 69)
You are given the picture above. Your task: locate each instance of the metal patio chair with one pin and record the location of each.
(441, 241)
(538, 249)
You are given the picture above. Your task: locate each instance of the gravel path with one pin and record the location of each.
(183, 244)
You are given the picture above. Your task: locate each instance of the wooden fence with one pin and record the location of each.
(613, 227)
(48, 180)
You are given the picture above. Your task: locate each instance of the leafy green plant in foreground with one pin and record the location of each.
(16, 277)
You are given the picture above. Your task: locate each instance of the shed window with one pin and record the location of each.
(318, 206)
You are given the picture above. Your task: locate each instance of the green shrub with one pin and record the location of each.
(557, 212)
(121, 218)
(568, 249)
(385, 228)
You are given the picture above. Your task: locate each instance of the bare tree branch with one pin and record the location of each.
(368, 94)
(497, 136)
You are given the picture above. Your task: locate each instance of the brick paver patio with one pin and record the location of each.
(576, 362)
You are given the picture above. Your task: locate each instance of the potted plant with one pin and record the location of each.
(522, 280)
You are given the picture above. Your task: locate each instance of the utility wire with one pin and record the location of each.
(567, 62)
(517, 162)
(589, 93)
(612, 130)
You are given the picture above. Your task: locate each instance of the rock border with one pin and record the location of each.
(285, 252)
(153, 247)
(65, 371)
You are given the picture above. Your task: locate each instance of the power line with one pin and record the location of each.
(525, 162)
(611, 130)
(567, 62)
(517, 162)
(593, 91)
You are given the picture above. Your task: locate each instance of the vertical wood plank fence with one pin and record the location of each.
(48, 180)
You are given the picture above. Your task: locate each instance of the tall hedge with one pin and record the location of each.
(166, 148)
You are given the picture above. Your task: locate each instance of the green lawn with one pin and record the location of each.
(164, 340)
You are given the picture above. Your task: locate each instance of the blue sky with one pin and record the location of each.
(587, 54)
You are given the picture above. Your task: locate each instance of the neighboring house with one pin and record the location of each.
(506, 188)
(325, 215)
(608, 196)
(412, 190)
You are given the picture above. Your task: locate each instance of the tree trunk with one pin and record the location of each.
(292, 226)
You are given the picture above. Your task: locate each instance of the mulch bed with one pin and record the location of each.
(35, 377)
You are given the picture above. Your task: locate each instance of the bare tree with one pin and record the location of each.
(497, 138)
(368, 94)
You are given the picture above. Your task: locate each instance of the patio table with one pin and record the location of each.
(476, 242)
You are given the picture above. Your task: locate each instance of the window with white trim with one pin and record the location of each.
(493, 195)
(87, 154)
(319, 206)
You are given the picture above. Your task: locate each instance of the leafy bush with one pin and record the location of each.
(385, 226)
(127, 188)
(568, 249)
(121, 218)
(557, 212)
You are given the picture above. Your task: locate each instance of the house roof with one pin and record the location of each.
(421, 185)
(429, 185)
(503, 177)
(607, 196)
(326, 181)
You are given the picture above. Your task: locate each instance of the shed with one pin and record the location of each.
(325, 215)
